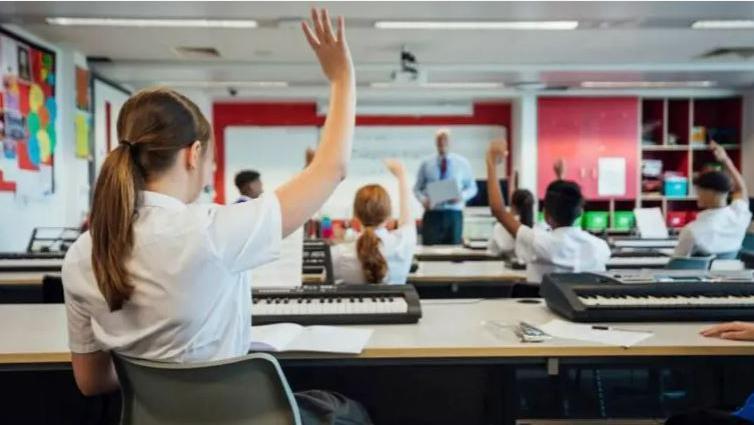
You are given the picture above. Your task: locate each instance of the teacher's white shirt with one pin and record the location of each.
(191, 300)
(396, 246)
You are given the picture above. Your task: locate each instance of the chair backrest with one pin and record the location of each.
(733, 255)
(246, 390)
(690, 263)
(748, 242)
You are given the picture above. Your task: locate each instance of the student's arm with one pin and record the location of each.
(739, 185)
(734, 330)
(303, 195)
(559, 168)
(469, 188)
(397, 169)
(94, 373)
(420, 188)
(685, 245)
(497, 151)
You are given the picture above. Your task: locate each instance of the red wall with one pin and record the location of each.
(581, 130)
(305, 114)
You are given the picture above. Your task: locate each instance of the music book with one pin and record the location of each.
(282, 337)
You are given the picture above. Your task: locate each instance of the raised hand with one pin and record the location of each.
(330, 47)
(497, 151)
(720, 153)
(734, 330)
(559, 168)
(395, 167)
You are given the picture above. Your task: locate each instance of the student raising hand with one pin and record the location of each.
(497, 151)
(305, 193)
(331, 49)
(734, 330)
(395, 167)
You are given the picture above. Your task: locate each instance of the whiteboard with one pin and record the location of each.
(278, 154)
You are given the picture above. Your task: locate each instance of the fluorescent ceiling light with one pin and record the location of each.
(730, 24)
(225, 84)
(439, 85)
(477, 25)
(646, 84)
(161, 23)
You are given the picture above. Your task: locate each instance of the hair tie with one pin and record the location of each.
(127, 143)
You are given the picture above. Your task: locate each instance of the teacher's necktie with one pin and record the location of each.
(443, 167)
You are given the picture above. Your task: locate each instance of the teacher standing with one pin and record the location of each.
(443, 222)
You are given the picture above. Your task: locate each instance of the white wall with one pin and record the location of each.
(278, 153)
(105, 93)
(66, 206)
(747, 141)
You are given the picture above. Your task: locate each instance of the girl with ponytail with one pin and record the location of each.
(378, 255)
(160, 277)
(522, 206)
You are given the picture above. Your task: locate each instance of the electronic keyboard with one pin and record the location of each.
(667, 295)
(31, 255)
(643, 243)
(336, 305)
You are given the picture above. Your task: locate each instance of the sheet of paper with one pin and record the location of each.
(566, 330)
(612, 176)
(273, 337)
(331, 339)
(285, 271)
(650, 223)
(442, 190)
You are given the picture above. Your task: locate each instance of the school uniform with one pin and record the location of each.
(502, 242)
(561, 250)
(191, 300)
(396, 246)
(715, 231)
(243, 198)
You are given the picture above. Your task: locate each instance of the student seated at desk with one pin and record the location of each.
(522, 206)
(720, 228)
(378, 255)
(161, 278)
(566, 248)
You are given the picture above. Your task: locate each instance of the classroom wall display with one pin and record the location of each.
(83, 118)
(28, 109)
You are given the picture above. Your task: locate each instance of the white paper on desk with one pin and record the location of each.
(442, 190)
(286, 271)
(650, 223)
(566, 330)
(611, 176)
(324, 339)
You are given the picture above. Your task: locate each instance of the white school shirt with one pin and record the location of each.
(561, 250)
(715, 231)
(502, 242)
(396, 246)
(191, 300)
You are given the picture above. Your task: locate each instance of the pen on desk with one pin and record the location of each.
(610, 328)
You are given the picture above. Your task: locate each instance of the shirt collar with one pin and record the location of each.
(159, 200)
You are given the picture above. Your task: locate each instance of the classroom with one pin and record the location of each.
(376, 213)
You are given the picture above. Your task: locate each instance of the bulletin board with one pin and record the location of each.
(28, 109)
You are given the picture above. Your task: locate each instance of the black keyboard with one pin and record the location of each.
(317, 259)
(336, 305)
(31, 255)
(666, 296)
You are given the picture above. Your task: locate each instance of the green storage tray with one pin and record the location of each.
(624, 220)
(595, 220)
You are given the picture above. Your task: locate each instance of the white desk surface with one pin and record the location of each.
(449, 329)
(459, 250)
(657, 261)
(434, 271)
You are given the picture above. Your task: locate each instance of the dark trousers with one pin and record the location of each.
(706, 417)
(330, 408)
(442, 227)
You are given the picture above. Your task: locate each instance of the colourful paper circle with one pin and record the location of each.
(44, 117)
(32, 123)
(33, 150)
(53, 137)
(36, 97)
(45, 147)
(52, 108)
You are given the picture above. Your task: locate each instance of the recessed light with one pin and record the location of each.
(440, 85)
(225, 84)
(646, 84)
(477, 25)
(730, 24)
(161, 23)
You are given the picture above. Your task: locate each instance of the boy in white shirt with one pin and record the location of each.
(565, 248)
(719, 228)
(378, 255)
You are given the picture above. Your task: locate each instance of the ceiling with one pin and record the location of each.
(615, 41)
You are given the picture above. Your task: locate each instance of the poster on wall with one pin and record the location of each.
(28, 112)
(83, 119)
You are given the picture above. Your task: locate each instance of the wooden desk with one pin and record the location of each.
(449, 329)
(23, 278)
(452, 253)
(474, 271)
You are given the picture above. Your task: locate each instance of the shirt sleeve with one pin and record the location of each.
(686, 243)
(249, 234)
(420, 185)
(406, 235)
(81, 338)
(741, 209)
(469, 188)
(524, 245)
(501, 241)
